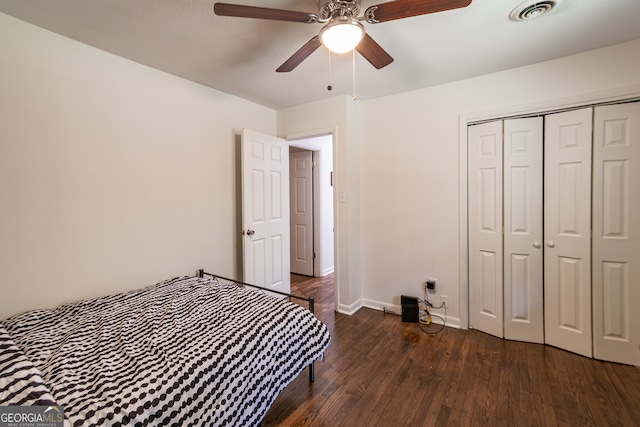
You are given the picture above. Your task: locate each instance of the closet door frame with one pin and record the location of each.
(510, 298)
(515, 110)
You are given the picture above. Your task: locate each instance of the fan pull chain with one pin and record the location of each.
(354, 74)
(329, 87)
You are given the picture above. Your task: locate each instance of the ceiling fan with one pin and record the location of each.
(343, 30)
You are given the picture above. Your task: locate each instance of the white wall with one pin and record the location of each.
(410, 225)
(112, 175)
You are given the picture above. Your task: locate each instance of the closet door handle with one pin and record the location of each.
(537, 245)
(551, 244)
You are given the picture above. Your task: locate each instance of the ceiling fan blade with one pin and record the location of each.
(240, 11)
(373, 52)
(407, 8)
(300, 55)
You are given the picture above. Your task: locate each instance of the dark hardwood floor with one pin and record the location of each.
(379, 371)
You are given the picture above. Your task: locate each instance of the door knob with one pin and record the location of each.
(551, 244)
(537, 245)
(250, 232)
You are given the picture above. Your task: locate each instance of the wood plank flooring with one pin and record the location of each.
(379, 371)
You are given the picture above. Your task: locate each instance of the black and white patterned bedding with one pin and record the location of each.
(188, 351)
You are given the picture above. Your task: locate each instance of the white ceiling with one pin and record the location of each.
(239, 56)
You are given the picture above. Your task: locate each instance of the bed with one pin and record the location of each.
(186, 351)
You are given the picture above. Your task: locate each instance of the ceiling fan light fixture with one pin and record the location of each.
(342, 34)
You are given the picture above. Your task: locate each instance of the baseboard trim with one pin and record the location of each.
(327, 271)
(350, 309)
(452, 322)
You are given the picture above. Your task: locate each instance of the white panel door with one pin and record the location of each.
(301, 188)
(265, 211)
(616, 233)
(485, 228)
(567, 230)
(523, 252)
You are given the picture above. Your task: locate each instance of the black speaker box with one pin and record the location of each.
(409, 308)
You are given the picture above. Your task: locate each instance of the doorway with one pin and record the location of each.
(311, 205)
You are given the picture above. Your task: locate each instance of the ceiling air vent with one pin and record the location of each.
(530, 10)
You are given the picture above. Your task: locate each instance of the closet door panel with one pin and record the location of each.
(616, 233)
(485, 228)
(567, 231)
(523, 282)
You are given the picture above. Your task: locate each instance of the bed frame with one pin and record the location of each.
(201, 273)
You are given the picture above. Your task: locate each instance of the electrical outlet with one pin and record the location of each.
(431, 284)
(444, 300)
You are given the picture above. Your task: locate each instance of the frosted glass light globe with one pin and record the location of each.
(342, 35)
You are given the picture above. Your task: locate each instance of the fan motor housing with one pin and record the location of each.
(328, 8)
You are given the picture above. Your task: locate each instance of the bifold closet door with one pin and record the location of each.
(616, 233)
(567, 230)
(523, 251)
(485, 228)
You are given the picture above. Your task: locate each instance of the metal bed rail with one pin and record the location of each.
(310, 300)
